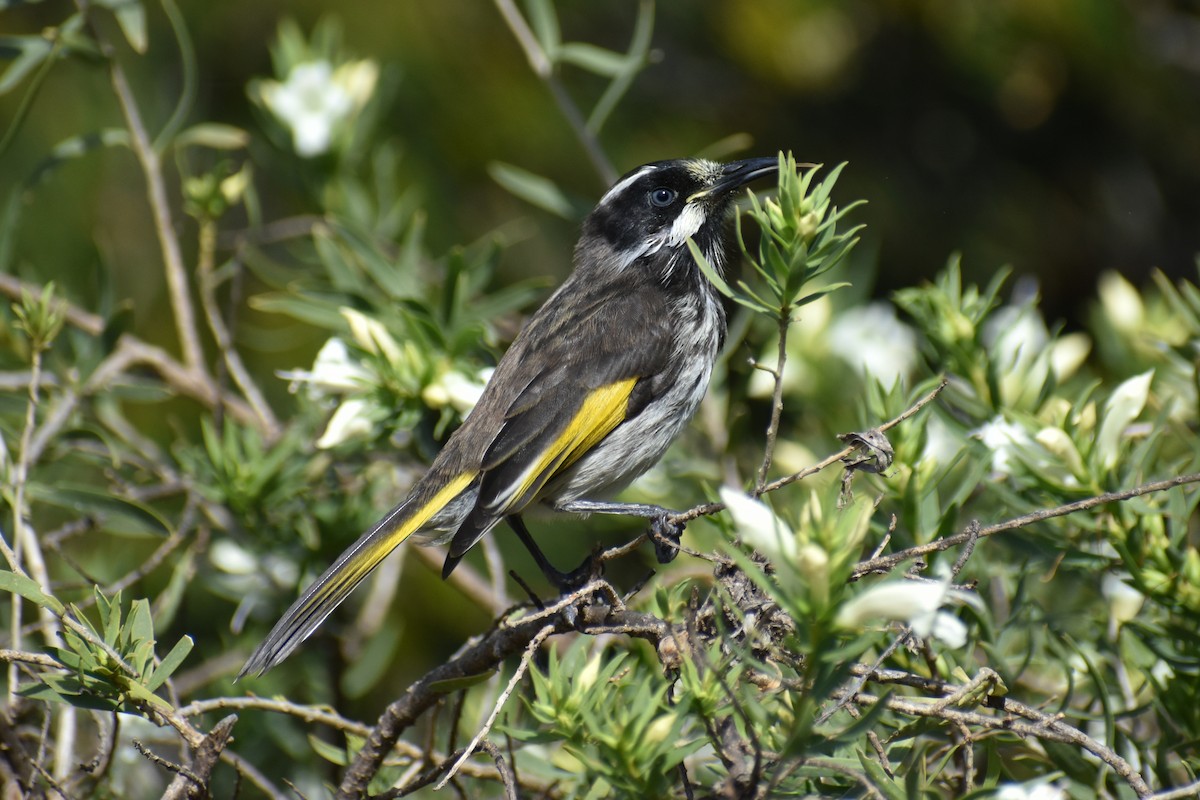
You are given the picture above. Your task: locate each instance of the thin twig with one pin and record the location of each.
(1178, 793)
(129, 352)
(889, 562)
(968, 549)
(160, 207)
(574, 612)
(861, 679)
(310, 714)
(252, 774)
(785, 320)
(970, 689)
(541, 65)
(523, 665)
(231, 358)
(707, 509)
(1074, 736)
(194, 785)
(25, 657)
(506, 773)
(170, 766)
(1042, 726)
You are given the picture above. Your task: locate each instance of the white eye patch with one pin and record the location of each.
(686, 224)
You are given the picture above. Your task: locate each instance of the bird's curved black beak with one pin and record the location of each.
(737, 174)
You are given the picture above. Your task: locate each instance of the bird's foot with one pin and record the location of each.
(666, 532)
(567, 582)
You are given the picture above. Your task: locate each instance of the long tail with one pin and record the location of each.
(351, 567)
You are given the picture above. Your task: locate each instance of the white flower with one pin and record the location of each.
(1162, 671)
(351, 420)
(1034, 790)
(1015, 335)
(757, 525)
(1018, 344)
(874, 342)
(917, 603)
(1124, 601)
(1122, 304)
(358, 78)
(1068, 353)
(1005, 439)
(316, 99)
(230, 557)
(942, 443)
(456, 389)
(333, 372)
(1121, 409)
(1059, 443)
(372, 335)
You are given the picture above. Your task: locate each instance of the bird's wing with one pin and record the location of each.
(597, 367)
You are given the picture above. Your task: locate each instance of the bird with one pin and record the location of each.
(589, 395)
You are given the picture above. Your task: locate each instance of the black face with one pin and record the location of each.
(658, 206)
(642, 204)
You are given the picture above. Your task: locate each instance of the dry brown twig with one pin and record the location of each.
(707, 509)
(594, 608)
(883, 564)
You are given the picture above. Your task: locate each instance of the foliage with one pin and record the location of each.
(996, 595)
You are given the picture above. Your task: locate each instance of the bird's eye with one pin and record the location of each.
(662, 196)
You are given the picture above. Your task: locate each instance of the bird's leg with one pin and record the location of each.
(565, 582)
(664, 531)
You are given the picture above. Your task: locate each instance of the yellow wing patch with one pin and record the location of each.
(358, 563)
(601, 411)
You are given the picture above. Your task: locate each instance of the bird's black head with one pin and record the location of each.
(648, 215)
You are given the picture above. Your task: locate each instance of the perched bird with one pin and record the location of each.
(589, 396)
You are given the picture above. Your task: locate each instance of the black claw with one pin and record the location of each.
(666, 533)
(567, 582)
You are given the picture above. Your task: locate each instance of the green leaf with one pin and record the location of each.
(456, 684)
(213, 135)
(131, 16)
(544, 22)
(57, 689)
(27, 53)
(817, 295)
(393, 277)
(632, 62)
(373, 663)
(879, 779)
(168, 600)
(120, 513)
(140, 624)
(534, 189)
(594, 59)
(28, 588)
(331, 753)
(719, 282)
(302, 306)
(110, 615)
(140, 693)
(75, 147)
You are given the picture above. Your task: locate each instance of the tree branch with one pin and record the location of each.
(592, 609)
(888, 563)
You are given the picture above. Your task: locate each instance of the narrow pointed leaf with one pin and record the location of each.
(28, 588)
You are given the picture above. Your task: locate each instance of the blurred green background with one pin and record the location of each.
(1061, 137)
